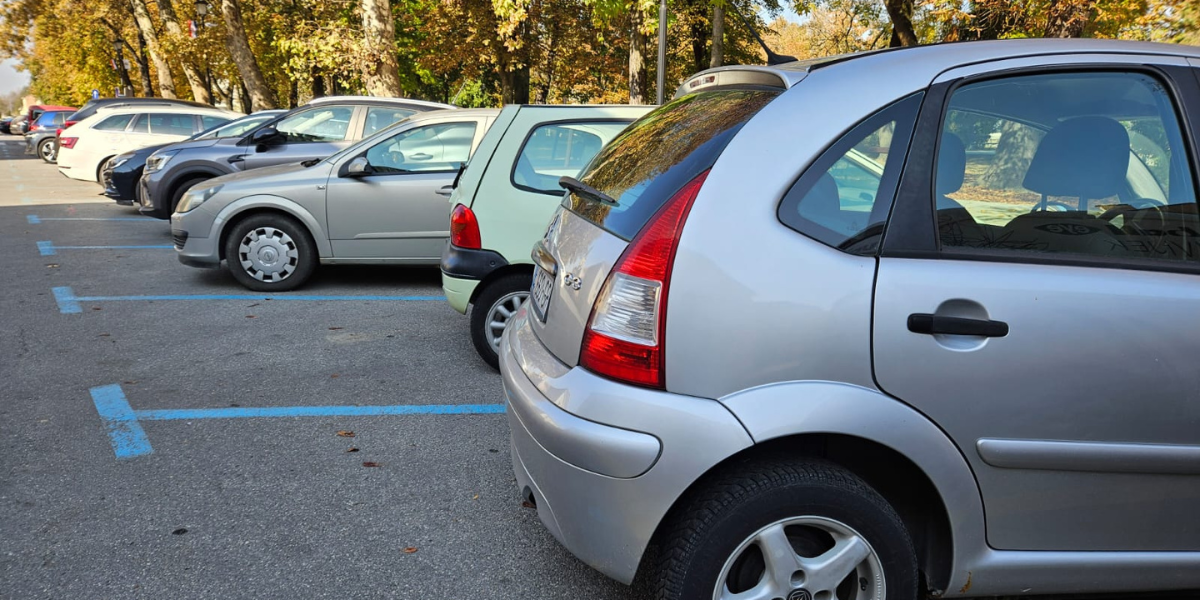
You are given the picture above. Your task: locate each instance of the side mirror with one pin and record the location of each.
(359, 167)
(266, 136)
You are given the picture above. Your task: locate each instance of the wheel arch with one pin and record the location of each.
(496, 275)
(245, 208)
(895, 449)
(184, 176)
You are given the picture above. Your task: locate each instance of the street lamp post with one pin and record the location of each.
(202, 9)
(126, 85)
(662, 48)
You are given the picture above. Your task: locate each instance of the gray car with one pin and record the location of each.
(754, 366)
(380, 201)
(315, 130)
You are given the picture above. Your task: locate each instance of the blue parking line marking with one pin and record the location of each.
(245, 412)
(47, 248)
(129, 440)
(68, 302)
(34, 219)
(126, 435)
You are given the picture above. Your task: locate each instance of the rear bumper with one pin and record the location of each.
(604, 462)
(463, 269)
(458, 291)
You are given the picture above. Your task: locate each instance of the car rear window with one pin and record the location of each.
(660, 153)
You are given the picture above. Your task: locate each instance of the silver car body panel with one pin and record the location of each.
(606, 521)
(1032, 530)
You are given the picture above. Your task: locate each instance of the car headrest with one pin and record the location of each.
(1086, 157)
(952, 164)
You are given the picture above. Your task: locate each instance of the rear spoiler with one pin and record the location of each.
(741, 77)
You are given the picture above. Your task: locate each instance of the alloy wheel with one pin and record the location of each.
(802, 558)
(501, 312)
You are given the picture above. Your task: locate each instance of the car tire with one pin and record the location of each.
(100, 169)
(270, 253)
(806, 506)
(491, 311)
(47, 151)
(180, 190)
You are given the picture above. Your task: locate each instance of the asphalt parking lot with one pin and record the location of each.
(165, 434)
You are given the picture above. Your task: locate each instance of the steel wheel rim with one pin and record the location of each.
(499, 316)
(268, 254)
(47, 151)
(848, 570)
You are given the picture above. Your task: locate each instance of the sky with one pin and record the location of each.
(10, 79)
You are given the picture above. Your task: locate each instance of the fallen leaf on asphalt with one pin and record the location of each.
(351, 449)
(527, 504)
(52, 266)
(334, 376)
(96, 308)
(345, 433)
(130, 382)
(475, 497)
(410, 549)
(336, 328)
(249, 316)
(372, 464)
(493, 450)
(180, 531)
(106, 335)
(252, 305)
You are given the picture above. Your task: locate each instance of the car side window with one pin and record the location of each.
(114, 123)
(209, 122)
(1085, 164)
(141, 124)
(379, 118)
(170, 123)
(320, 124)
(432, 148)
(843, 199)
(557, 150)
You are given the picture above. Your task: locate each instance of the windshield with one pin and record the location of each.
(234, 128)
(656, 155)
(353, 149)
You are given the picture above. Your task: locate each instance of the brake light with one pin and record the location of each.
(626, 333)
(68, 142)
(34, 127)
(464, 228)
(67, 124)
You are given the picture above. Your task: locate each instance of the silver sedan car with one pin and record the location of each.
(380, 201)
(853, 328)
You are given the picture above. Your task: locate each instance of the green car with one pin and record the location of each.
(505, 197)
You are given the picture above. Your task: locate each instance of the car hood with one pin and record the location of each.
(266, 177)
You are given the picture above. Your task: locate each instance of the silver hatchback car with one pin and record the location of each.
(854, 328)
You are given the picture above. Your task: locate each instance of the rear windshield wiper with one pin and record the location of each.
(579, 187)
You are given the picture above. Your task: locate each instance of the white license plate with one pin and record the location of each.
(543, 286)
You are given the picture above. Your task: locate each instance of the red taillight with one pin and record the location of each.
(68, 142)
(67, 124)
(34, 127)
(464, 229)
(627, 330)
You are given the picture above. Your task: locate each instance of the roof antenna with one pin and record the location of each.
(772, 58)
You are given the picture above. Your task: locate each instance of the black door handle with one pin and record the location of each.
(931, 324)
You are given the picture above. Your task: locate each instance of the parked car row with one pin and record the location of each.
(931, 310)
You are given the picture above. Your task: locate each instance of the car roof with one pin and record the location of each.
(462, 112)
(380, 100)
(47, 107)
(933, 58)
(191, 110)
(143, 100)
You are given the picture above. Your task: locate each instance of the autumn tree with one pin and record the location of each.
(261, 96)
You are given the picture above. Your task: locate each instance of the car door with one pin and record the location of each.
(394, 212)
(1037, 299)
(316, 132)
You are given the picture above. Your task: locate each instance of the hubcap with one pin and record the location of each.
(47, 151)
(802, 558)
(501, 312)
(268, 254)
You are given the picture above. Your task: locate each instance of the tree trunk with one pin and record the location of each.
(261, 96)
(1068, 18)
(699, 35)
(143, 66)
(718, 36)
(318, 84)
(901, 13)
(514, 85)
(381, 70)
(247, 99)
(638, 76)
(141, 15)
(195, 81)
(1014, 152)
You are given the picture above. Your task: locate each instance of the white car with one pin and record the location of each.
(87, 146)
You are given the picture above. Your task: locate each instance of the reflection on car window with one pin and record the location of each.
(1086, 164)
(236, 128)
(432, 148)
(839, 201)
(321, 124)
(169, 124)
(554, 151)
(114, 123)
(380, 118)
